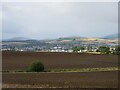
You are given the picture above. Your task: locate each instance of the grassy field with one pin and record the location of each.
(63, 70)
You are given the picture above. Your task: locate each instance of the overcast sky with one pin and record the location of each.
(59, 19)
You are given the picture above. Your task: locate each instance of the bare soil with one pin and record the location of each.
(21, 60)
(61, 80)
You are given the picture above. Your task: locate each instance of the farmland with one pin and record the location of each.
(19, 61)
(61, 80)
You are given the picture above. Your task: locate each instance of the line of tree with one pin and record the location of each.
(117, 50)
(101, 49)
(78, 48)
(106, 50)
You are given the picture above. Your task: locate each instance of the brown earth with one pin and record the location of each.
(61, 80)
(21, 60)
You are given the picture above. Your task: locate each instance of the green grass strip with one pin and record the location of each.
(69, 70)
(85, 69)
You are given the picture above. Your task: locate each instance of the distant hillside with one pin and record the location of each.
(69, 38)
(17, 39)
(113, 36)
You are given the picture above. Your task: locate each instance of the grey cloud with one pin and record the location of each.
(51, 20)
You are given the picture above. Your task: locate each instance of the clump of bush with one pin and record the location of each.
(36, 66)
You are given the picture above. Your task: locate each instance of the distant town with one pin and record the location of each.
(68, 44)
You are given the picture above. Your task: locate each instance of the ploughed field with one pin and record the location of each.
(12, 61)
(107, 79)
(21, 60)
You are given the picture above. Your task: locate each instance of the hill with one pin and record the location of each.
(17, 39)
(112, 36)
